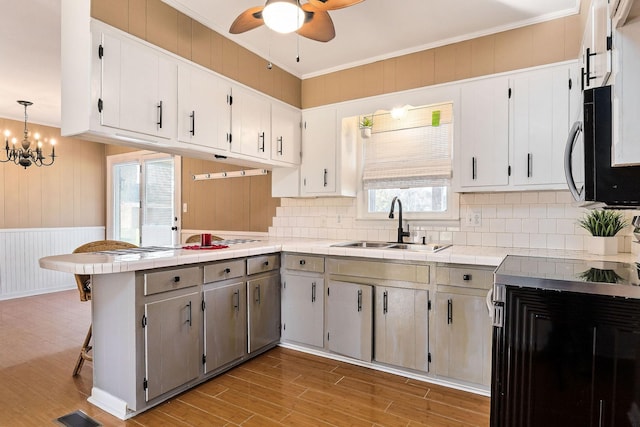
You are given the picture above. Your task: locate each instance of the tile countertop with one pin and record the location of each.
(100, 263)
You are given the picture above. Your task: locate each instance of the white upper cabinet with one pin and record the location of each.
(250, 124)
(539, 125)
(596, 45)
(285, 134)
(319, 140)
(204, 113)
(138, 88)
(484, 127)
(626, 90)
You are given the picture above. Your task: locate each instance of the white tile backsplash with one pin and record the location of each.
(534, 219)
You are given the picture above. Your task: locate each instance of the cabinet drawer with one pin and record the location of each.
(262, 263)
(471, 277)
(223, 270)
(313, 264)
(169, 280)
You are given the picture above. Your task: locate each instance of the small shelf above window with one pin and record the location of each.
(409, 117)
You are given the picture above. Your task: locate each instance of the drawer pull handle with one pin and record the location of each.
(227, 270)
(466, 277)
(266, 263)
(176, 279)
(302, 262)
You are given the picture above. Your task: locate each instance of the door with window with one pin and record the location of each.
(143, 196)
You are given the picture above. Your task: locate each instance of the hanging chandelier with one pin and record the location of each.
(23, 154)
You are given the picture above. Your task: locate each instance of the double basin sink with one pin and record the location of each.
(429, 247)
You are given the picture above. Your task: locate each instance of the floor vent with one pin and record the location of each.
(77, 419)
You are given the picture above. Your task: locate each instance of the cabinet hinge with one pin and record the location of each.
(145, 384)
(229, 99)
(328, 291)
(429, 305)
(509, 170)
(327, 336)
(284, 326)
(429, 357)
(144, 321)
(204, 359)
(284, 285)
(100, 51)
(100, 105)
(509, 93)
(609, 42)
(570, 84)
(203, 305)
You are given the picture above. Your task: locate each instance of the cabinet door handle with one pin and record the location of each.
(385, 301)
(261, 142)
(313, 292)
(159, 122)
(325, 177)
(257, 293)
(359, 300)
(529, 164)
(279, 140)
(449, 311)
(474, 168)
(236, 300)
(193, 123)
(189, 312)
(588, 65)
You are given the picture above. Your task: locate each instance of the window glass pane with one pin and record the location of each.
(126, 195)
(419, 199)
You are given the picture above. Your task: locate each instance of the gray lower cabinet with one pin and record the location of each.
(350, 319)
(263, 301)
(462, 348)
(303, 309)
(225, 324)
(402, 327)
(172, 342)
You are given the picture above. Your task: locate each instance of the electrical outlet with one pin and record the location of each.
(474, 217)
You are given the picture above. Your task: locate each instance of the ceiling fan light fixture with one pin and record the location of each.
(283, 16)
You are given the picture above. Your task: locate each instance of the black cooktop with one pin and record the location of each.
(574, 275)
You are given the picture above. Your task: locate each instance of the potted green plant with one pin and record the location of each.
(365, 126)
(603, 226)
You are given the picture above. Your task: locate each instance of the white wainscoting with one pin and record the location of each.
(20, 250)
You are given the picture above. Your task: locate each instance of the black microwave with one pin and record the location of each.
(589, 163)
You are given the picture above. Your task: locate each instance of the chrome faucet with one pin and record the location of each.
(401, 232)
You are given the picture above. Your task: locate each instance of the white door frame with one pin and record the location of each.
(140, 156)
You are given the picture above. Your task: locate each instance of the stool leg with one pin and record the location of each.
(83, 353)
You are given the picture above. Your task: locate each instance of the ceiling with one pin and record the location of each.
(369, 31)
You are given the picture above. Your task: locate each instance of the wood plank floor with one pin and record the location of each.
(40, 338)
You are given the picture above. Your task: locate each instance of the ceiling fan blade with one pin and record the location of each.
(332, 4)
(247, 20)
(318, 25)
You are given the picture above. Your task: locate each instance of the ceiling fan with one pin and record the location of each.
(310, 20)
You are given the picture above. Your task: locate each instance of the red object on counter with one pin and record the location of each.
(196, 247)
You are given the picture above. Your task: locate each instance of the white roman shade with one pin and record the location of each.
(414, 151)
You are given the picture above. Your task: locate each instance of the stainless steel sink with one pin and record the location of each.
(363, 245)
(430, 247)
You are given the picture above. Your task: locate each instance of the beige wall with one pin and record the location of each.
(237, 204)
(160, 24)
(70, 193)
(544, 43)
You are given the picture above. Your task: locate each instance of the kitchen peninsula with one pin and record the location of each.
(159, 316)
